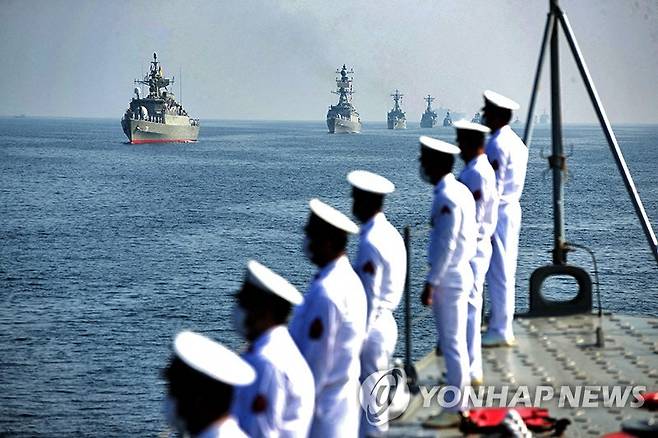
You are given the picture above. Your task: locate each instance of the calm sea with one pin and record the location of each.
(108, 249)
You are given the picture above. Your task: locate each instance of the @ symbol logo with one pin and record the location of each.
(384, 396)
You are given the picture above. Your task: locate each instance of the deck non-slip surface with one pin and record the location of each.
(557, 352)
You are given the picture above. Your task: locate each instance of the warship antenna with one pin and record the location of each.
(180, 84)
(429, 99)
(539, 306)
(397, 98)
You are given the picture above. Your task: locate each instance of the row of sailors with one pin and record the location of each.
(303, 380)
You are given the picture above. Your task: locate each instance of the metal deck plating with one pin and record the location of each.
(558, 352)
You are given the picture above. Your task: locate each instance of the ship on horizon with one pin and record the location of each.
(429, 118)
(447, 121)
(396, 118)
(157, 118)
(343, 118)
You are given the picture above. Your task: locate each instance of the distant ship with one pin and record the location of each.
(516, 121)
(397, 119)
(343, 118)
(447, 121)
(476, 118)
(158, 118)
(429, 118)
(544, 119)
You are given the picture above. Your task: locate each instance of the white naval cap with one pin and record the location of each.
(213, 359)
(438, 145)
(264, 278)
(370, 182)
(332, 216)
(465, 125)
(500, 101)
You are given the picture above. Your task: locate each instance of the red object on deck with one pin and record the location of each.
(489, 420)
(650, 400)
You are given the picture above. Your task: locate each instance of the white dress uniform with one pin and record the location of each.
(479, 177)
(509, 158)
(226, 429)
(452, 246)
(280, 402)
(329, 329)
(381, 264)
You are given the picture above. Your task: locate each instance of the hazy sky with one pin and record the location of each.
(247, 59)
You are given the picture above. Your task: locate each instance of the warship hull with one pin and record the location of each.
(144, 131)
(343, 126)
(428, 122)
(397, 124)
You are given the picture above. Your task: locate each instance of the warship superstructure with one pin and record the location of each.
(477, 118)
(343, 118)
(396, 118)
(447, 121)
(157, 117)
(429, 118)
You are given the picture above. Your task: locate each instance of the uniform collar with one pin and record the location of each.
(228, 426)
(379, 217)
(266, 337)
(477, 159)
(446, 179)
(504, 129)
(336, 263)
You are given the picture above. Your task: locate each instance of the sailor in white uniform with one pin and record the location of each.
(329, 327)
(280, 401)
(201, 377)
(452, 245)
(381, 264)
(479, 177)
(509, 158)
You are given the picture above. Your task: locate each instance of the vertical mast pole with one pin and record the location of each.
(407, 301)
(557, 158)
(609, 134)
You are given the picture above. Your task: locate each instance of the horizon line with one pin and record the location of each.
(218, 119)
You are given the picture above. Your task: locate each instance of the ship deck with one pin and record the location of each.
(555, 352)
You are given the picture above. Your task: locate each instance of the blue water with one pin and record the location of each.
(108, 249)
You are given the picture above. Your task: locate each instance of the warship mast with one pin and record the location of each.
(429, 99)
(397, 98)
(155, 79)
(344, 88)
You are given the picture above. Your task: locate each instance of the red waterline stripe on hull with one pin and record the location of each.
(166, 140)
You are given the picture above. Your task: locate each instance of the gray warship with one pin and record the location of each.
(157, 118)
(396, 118)
(343, 118)
(447, 121)
(477, 118)
(430, 117)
